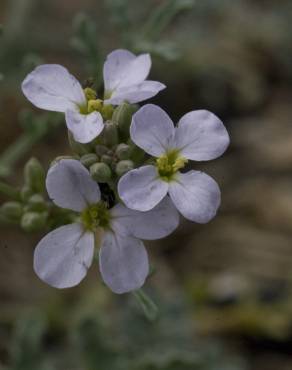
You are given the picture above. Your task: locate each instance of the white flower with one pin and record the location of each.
(200, 136)
(53, 88)
(63, 256)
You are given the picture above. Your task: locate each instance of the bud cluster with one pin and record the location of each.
(112, 153)
(30, 210)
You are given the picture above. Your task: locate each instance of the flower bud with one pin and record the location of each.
(34, 175)
(88, 159)
(60, 157)
(78, 148)
(106, 159)
(123, 151)
(122, 116)
(36, 203)
(12, 211)
(137, 154)
(100, 150)
(25, 193)
(33, 221)
(100, 172)
(110, 134)
(107, 111)
(124, 167)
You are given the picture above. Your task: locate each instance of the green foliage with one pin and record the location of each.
(86, 41)
(26, 346)
(98, 333)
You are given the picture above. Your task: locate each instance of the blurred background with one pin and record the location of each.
(223, 289)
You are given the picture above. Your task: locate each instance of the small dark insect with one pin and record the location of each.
(89, 82)
(107, 195)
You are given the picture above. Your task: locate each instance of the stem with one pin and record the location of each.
(18, 16)
(16, 151)
(9, 191)
(148, 306)
(163, 16)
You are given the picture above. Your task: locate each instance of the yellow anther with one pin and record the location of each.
(83, 109)
(90, 94)
(94, 105)
(169, 163)
(179, 163)
(96, 215)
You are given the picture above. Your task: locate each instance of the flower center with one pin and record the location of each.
(95, 105)
(95, 215)
(169, 163)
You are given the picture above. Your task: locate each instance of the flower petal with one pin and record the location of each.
(84, 127)
(201, 136)
(152, 130)
(141, 189)
(123, 262)
(70, 185)
(63, 256)
(52, 87)
(161, 221)
(136, 93)
(122, 68)
(196, 195)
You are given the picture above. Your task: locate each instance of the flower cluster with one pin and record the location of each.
(124, 181)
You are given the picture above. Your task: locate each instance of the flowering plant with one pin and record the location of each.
(123, 183)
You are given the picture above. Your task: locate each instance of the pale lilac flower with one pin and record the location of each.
(199, 136)
(63, 256)
(125, 76)
(52, 87)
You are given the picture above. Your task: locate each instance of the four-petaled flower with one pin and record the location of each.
(63, 256)
(199, 136)
(53, 88)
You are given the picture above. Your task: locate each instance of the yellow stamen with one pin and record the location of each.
(169, 163)
(94, 105)
(90, 94)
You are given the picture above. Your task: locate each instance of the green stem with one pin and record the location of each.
(9, 191)
(163, 16)
(148, 306)
(15, 151)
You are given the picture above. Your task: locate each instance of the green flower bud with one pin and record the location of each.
(106, 159)
(78, 148)
(88, 159)
(26, 192)
(122, 116)
(33, 221)
(100, 150)
(12, 211)
(107, 111)
(123, 151)
(100, 172)
(36, 203)
(110, 134)
(124, 167)
(60, 157)
(137, 154)
(34, 175)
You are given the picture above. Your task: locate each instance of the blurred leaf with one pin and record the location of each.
(163, 15)
(85, 41)
(26, 348)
